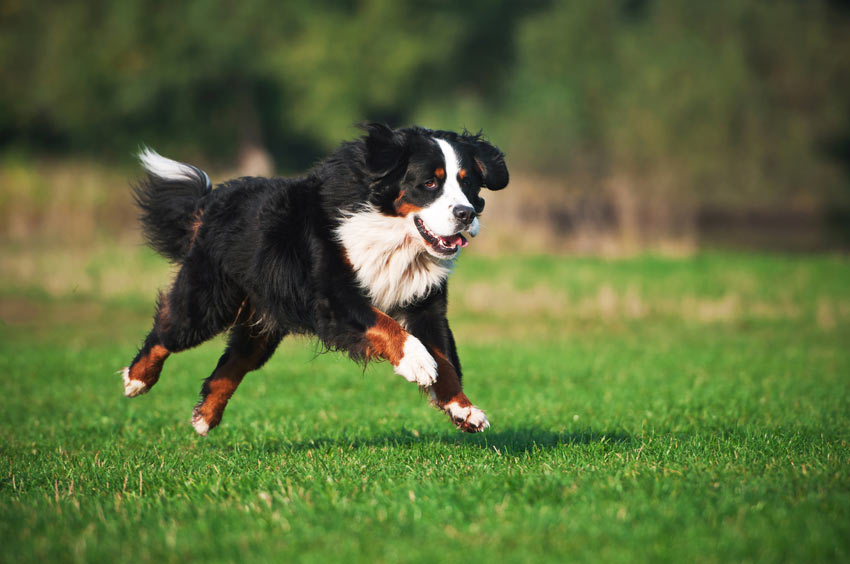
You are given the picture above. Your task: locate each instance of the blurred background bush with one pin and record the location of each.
(628, 124)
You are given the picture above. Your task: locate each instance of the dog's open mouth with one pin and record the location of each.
(441, 245)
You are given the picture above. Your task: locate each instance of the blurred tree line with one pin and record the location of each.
(720, 102)
(99, 76)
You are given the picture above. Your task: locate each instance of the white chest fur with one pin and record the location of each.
(389, 259)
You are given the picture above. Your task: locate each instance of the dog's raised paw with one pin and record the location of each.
(199, 423)
(132, 388)
(417, 365)
(468, 418)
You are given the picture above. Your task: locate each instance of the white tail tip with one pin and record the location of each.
(168, 169)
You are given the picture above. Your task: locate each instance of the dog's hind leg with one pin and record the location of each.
(140, 376)
(246, 351)
(200, 304)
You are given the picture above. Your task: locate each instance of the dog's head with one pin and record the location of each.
(433, 179)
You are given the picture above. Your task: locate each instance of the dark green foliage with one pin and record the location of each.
(100, 76)
(721, 102)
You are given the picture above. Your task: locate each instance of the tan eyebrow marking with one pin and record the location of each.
(440, 173)
(462, 173)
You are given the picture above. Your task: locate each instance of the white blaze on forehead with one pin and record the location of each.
(452, 166)
(439, 215)
(451, 188)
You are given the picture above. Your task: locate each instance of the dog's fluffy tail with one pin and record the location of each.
(169, 199)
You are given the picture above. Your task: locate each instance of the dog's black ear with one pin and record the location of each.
(490, 162)
(384, 146)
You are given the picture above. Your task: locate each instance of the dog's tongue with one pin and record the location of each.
(455, 240)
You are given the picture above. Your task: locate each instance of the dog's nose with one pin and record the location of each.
(464, 213)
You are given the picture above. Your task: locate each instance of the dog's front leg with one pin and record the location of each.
(432, 367)
(447, 394)
(409, 357)
(428, 322)
(369, 334)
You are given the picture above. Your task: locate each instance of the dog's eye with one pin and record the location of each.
(431, 184)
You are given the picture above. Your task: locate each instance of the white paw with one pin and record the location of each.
(133, 388)
(417, 364)
(200, 424)
(468, 418)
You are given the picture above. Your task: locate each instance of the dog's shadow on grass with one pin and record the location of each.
(509, 441)
(529, 439)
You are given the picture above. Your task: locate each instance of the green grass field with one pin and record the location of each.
(646, 409)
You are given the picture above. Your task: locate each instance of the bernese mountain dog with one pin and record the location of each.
(356, 252)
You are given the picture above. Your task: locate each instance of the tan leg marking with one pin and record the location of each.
(447, 394)
(220, 386)
(207, 414)
(139, 378)
(386, 339)
(409, 357)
